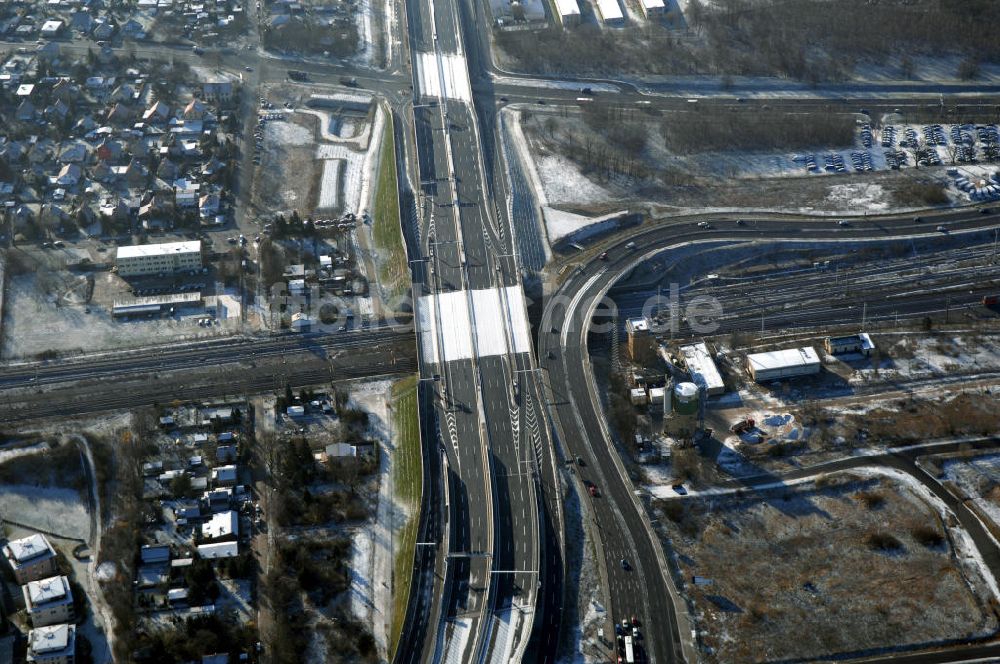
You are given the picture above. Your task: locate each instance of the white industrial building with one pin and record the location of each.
(54, 644)
(567, 11)
(48, 601)
(153, 259)
(787, 363)
(702, 368)
(610, 12)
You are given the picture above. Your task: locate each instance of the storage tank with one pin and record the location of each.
(686, 399)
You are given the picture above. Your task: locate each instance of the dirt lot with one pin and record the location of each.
(852, 563)
(288, 148)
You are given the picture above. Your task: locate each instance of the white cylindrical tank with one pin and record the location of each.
(686, 398)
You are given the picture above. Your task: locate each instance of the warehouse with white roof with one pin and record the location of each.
(787, 363)
(154, 259)
(702, 368)
(610, 12)
(567, 11)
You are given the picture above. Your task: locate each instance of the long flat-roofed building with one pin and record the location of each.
(54, 644)
(48, 601)
(779, 364)
(610, 12)
(30, 558)
(702, 368)
(165, 258)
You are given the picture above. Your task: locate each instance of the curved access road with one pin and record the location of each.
(643, 586)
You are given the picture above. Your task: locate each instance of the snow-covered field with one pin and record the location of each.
(860, 196)
(33, 324)
(929, 356)
(371, 550)
(52, 509)
(350, 164)
(565, 185)
(329, 190)
(287, 133)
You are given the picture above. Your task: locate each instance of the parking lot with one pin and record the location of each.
(909, 145)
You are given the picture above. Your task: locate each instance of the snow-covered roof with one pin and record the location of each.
(780, 359)
(28, 548)
(161, 249)
(567, 8)
(219, 550)
(702, 368)
(48, 590)
(52, 639)
(609, 9)
(222, 524)
(640, 324)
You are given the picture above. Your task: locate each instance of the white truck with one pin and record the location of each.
(629, 650)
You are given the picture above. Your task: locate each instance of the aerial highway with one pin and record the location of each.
(641, 585)
(474, 347)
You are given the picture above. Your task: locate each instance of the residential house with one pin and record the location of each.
(69, 175)
(119, 113)
(73, 153)
(218, 500)
(222, 526)
(194, 110)
(212, 166)
(208, 207)
(56, 112)
(48, 601)
(155, 554)
(224, 476)
(103, 31)
(81, 21)
(124, 93)
(110, 150)
(51, 29)
(225, 453)
(53, 644)
(30, 558)
(158, 113)
(25, 112)
(136, 173)
(133, 29)
(217, 91)
(167, 170)
(65, 91)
